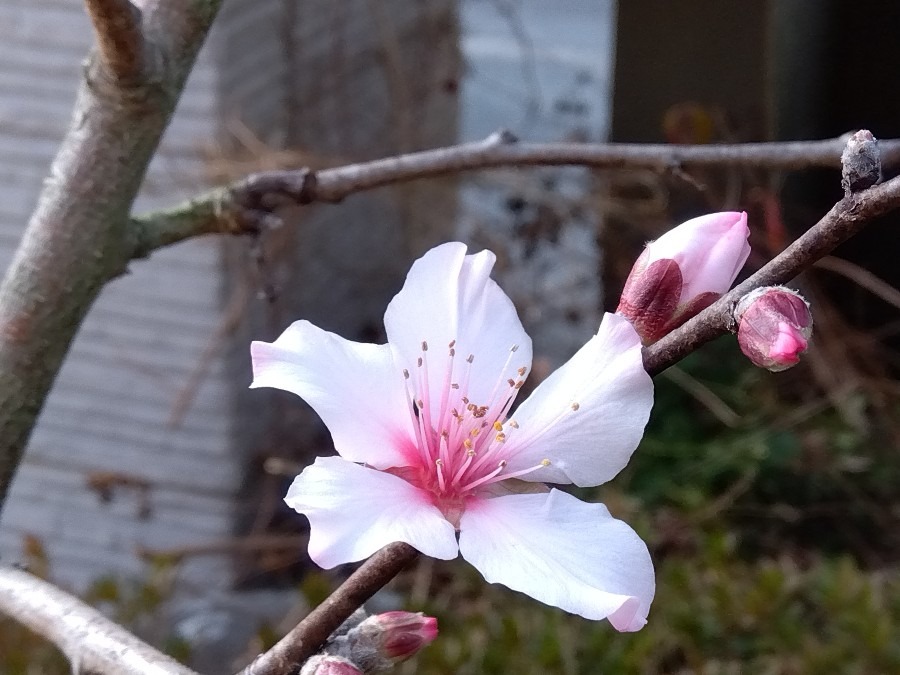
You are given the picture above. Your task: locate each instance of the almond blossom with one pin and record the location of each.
(432, 452)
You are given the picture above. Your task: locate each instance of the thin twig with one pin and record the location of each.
(91, 642)
(309, 635)
(846, 218)
(861, 277)
(247, 206)
(120, 41)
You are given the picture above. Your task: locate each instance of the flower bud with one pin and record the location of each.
(684, 272)
(325, 664)
(385, 639)
(774, 327)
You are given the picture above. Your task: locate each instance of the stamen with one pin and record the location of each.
(440, 474)
(515, 474)
(485, 479)
(498, 426)
(513, 424)
(405, 374)
(522, 371)
(469, 455)
(576, 406)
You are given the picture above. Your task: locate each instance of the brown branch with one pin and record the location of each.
(120, 42)
(75, 239)
(845, 219)
(247, 206)
(91, 642)
(308, 636)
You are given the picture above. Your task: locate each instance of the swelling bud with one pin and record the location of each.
(774, 327)
(684, 272)
(383, 640)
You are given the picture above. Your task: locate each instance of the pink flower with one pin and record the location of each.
(684, 272)
(428, 447)
(774, 327)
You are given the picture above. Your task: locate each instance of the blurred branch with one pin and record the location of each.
(308, 636)
(91, 642)
(120, 42)
(846, 218)
(248, 206)
(862, 277)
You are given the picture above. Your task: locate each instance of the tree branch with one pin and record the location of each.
(845, 219)
(90, 641)
(76, 239)
(120, 42)
(246, 206)
(309, 635)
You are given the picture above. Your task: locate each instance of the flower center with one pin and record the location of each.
(461, 442)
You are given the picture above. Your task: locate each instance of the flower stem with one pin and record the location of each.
(308, 636)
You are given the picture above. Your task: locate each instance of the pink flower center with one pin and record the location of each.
(461, 443)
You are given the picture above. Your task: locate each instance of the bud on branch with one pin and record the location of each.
(684, 272)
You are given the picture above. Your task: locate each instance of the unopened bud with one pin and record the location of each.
(774, 327)
(860, 162)
(386, 639)
(325, 664)
(684, 272)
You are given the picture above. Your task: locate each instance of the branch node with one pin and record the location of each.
(501, 137)
(121, 45)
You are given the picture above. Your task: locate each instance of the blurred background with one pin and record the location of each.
(153, 483)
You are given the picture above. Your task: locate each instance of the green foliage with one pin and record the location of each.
(714, 613)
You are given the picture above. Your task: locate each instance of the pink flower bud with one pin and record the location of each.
(394, 636)
(684, 272)
(774, 327)
(325, 664)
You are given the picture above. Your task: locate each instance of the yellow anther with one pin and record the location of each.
(500, 438)
(475, 431)
(545, 462)
(498, 426)
(468, 444)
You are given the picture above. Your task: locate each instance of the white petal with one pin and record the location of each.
(449, 296)
(354, 387)
(563, 552)
(353, 511)
(588, 416)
